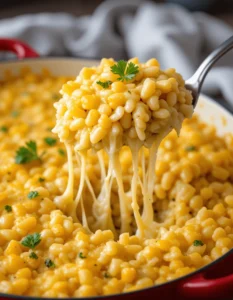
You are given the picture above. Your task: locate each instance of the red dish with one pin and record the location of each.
(214, 281)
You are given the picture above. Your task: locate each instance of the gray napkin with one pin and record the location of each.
(176, 37)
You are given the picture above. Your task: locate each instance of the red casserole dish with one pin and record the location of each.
(214, 281)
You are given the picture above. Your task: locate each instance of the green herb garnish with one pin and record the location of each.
(125, 70)
(49, 263)
(50, 141)
(15, 114)
(106, 275)
(41, 179)
(197, 243)
(80, 255)
(33, 255)
(33, 194)
(104, 84)
(27, 154)
(8, 208)
(190, 148)
(31, 240)
(61, 152)
(3, 129)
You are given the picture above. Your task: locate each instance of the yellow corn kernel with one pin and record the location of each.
(162, 113)
(86, 73)
(24, 273)
(20, 286)
(148, 89)
(14, 263)
(13, 248)
(92, 117)
(76, 111)
(220, 173)
(117, 99)
(152, 62)
(77, 124)
(229, 200)
(85, 276)
(97, 134)
(151, 71)
(105, 109)
(128, 275)
(118, 87)
(90, 102)
(85, 291)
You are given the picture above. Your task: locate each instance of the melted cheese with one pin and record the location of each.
(139, 114)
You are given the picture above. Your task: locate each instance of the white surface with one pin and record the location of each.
(207, 109)
(176, 37)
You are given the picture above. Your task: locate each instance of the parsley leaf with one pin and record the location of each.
(27, 154)
(61, 152)
(50, 141)
(33, 194)
(3, 129)
(33, 255)
(80, 255)
(197, 243)
(106, 275)
(105, 84)
(31, 240)
(49, 263)
(41, 179)
(8, 208)
(125, 70)
(190, 148)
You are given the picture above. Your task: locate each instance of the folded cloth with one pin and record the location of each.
(128, 28)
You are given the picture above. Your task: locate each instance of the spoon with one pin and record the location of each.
(195, 82)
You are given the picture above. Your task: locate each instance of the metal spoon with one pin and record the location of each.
(195, 82)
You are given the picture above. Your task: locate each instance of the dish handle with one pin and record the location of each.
(200, 287)
(21, 49)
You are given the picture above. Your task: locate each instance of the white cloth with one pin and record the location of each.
(128, 28)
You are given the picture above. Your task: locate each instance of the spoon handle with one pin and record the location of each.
(195, 82)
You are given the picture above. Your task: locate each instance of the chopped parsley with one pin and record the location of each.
(50, 141)
(33, 255)
(190, 148)
(33, 194)
(106, 275)
(8, 208)
(80, 255)
(125, 70)
(27, 154)
(15, 114)
(41, 179)
(197, 243)
(61, 152)
(104, 84)
(31, 240)
(49, 263)
(3, 129)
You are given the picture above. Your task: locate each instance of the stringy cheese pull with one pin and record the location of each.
(105, 109)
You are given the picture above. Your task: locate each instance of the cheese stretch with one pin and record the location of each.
(101, 120)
